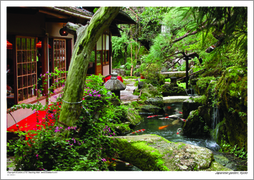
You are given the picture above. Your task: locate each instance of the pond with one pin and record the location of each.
(151, 126)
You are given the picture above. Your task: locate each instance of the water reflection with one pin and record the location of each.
(151, 126)
(170, 133)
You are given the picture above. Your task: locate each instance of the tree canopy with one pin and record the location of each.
(205, 34)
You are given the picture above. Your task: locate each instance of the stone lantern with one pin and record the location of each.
(114, 85)
(173, 81)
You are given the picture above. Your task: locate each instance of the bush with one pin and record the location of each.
(201, 99)
(87, 146)
(203, 83)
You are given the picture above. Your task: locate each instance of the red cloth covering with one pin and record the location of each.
(30, 122)
(108, 78)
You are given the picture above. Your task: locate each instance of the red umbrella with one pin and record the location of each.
(9, 45)
(38, 45)
(109, 77)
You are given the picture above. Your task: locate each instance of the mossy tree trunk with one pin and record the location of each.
(87, 36)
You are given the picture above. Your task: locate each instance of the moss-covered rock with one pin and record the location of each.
(157, 101)
(188, 106)
(151, 152)
(221, 159)
(150, 109)
(202, 84)
(121, 129)
(171, 90)
(150, 91)
(133, 116)
(196, 124)
(232, 97)
(127, 117)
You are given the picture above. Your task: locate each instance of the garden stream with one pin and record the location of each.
(151, 126)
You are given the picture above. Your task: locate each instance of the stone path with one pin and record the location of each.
(127, 94)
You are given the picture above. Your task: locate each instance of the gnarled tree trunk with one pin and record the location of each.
(87, 36)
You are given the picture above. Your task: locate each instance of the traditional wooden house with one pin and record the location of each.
(37, 43)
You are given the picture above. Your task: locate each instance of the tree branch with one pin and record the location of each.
(87, 36)
(186, 35)
(194, 32)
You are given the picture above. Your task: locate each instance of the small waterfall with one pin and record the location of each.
(190, 91)
(215, 119)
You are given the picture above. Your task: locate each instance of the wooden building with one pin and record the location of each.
(37, 43)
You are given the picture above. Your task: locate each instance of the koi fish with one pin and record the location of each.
(172, 124)
(174, 116)
(113, 162)
(179, 130)
(141, 130)
(164, 117)
(162, 127)
(152, 116)
(178, 111)
(184, 120)
(168, 107)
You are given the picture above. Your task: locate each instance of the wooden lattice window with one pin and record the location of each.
(26, 67)
(59, 58)
(105, 49)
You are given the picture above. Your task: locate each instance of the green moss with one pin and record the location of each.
(140, 154)
(217, 167)
(231, 91)
(171, 90)
(203, 83)
(180, 146)
(200, 99)
(121, 128)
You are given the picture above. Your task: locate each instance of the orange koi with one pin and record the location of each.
(162, 127)
(168, 107)
(141, 130)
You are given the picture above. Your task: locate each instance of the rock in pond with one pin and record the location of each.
(150, 152)
(150, 108)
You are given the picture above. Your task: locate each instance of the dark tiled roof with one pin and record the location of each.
(77, 10)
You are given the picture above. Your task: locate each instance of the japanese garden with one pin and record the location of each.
(181, 103)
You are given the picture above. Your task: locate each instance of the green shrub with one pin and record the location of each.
(203, 83)
(168, 80)
(201, 99)
(88, 144)
(181, 84)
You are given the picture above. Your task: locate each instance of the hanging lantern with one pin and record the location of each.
(38, 45)
(63, 31)
(9, 45)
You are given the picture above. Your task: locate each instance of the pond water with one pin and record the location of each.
(151, 126)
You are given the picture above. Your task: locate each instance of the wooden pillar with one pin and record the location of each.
(15, 69)
(110, 52)
(45, 64)
(187, 69)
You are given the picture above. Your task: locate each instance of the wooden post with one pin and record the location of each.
(187, 69)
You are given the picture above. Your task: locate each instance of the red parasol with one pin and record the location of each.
(38, 45)
(9, 45)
